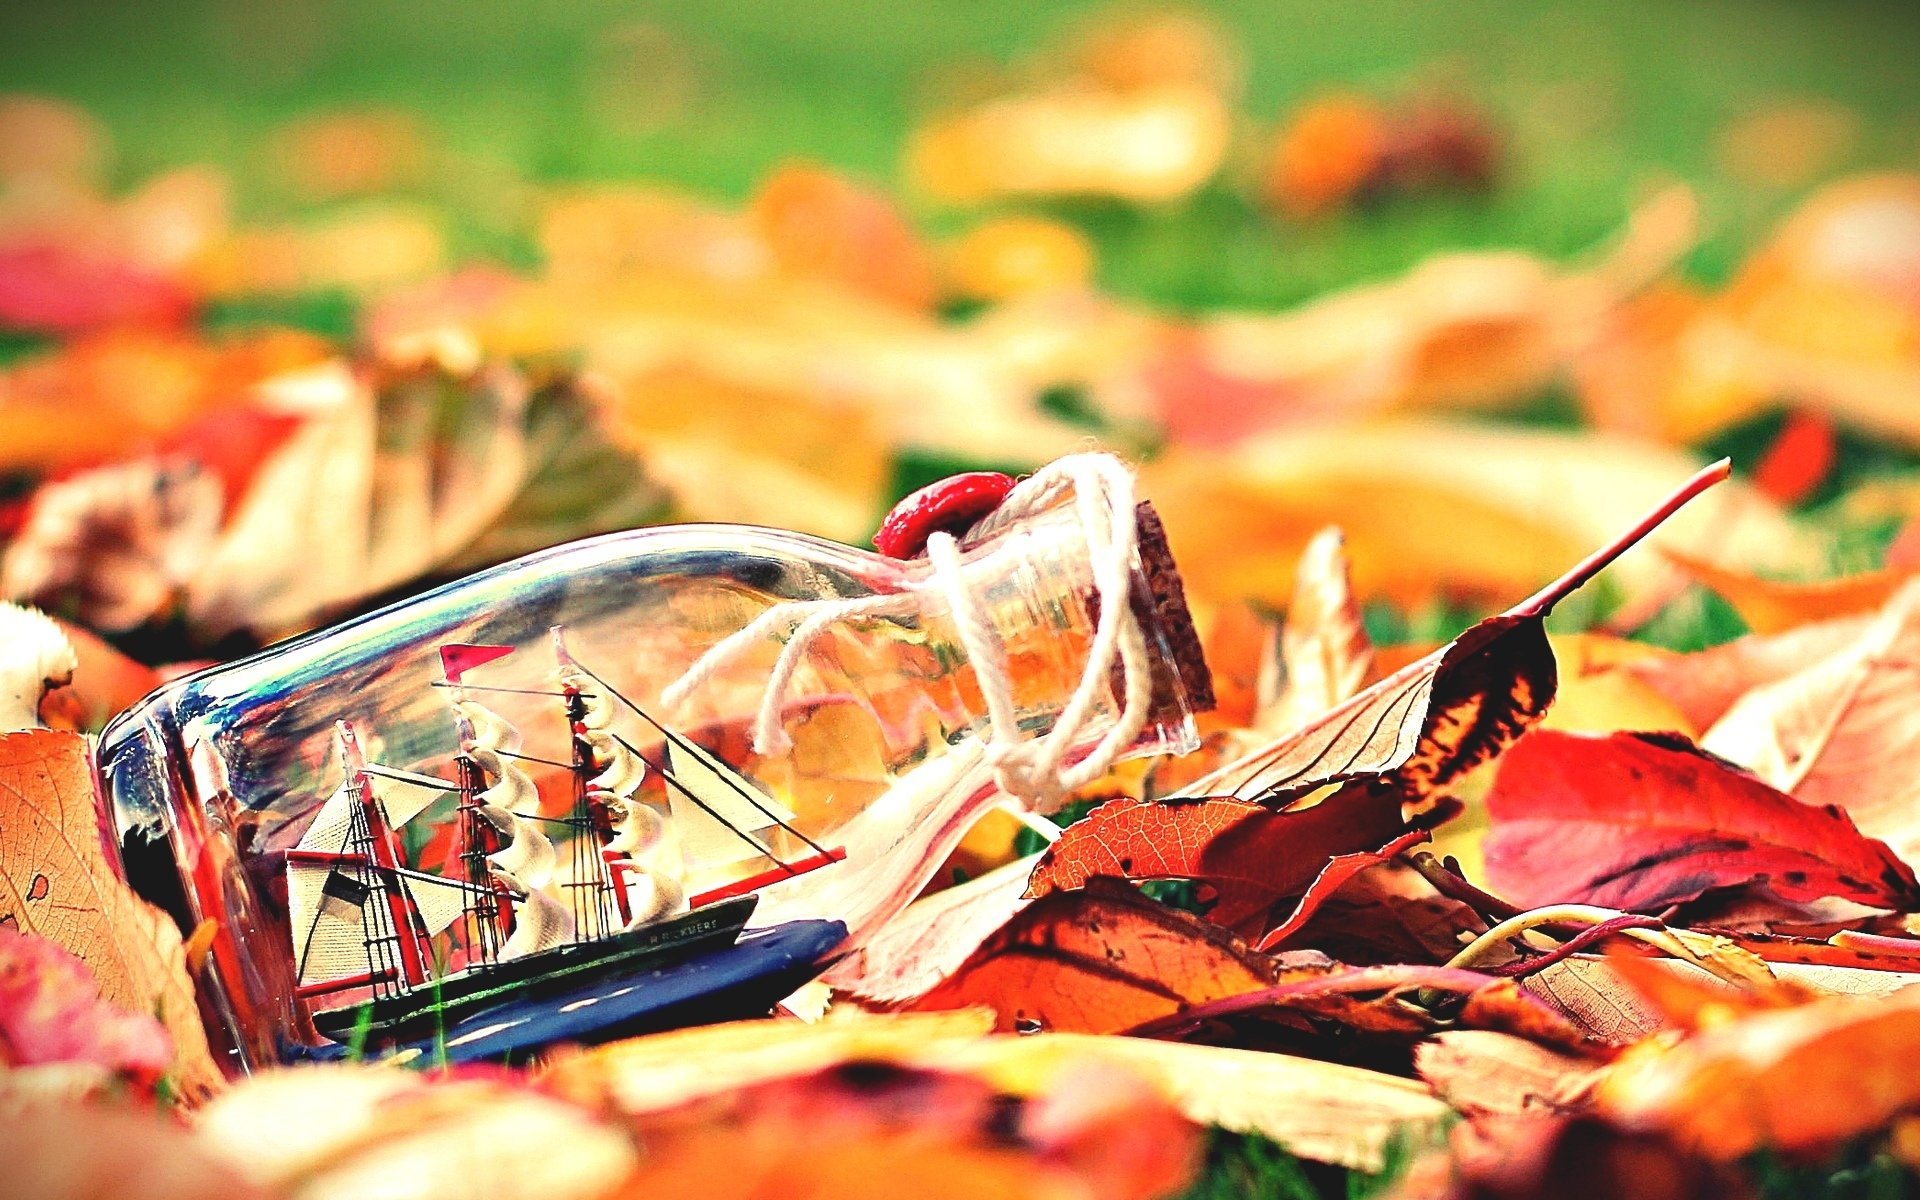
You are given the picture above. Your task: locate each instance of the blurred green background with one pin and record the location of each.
(1599, 101)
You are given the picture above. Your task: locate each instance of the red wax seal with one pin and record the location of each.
(952, 505)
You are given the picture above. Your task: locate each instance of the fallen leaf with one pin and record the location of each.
(93, 1151)
(1147, 145)
(1430, 722)
(1795, 1080)
(1263, 870)
(48, 811)
(1318, 1110)
(816, 223)
(1451, 511)
(51, 1012)
(1843, 732)
(1705, 684)
(873, 1129)
(1386, 913)
(1328, 1112)
(1402, 1002)
(1481, 1071)
(1644, 821)
(1775, 606)
(932, 937)
(334, 1132)
(1098, 960)
(1324, 648)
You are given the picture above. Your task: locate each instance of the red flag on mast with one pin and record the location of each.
(457, 658)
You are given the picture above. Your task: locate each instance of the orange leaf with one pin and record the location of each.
(56, 880)
(1772, 605)
(1644, 821)
(1099, 961)
(1796, 1080)
(870, 1129)
(926, 943)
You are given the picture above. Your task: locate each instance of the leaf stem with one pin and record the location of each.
(1543, 601)
(1663, 939)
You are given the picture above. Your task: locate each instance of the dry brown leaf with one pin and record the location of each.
(1843, 731)
(1262, 870)
(56, 880)
(1324, 648)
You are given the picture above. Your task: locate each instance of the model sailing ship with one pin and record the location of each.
(365, 921)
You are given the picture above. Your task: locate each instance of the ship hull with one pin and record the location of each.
(446, 1001)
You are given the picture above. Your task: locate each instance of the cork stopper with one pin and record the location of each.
(1160, 604)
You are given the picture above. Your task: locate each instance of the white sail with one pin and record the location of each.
(334, 822)
(713, 806)
(527, 854)
(652, 896)
(622, 772)
(637, 828)
(490, 729)
(540, 923)
(327, 907)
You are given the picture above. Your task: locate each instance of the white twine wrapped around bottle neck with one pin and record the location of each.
(1033, 769)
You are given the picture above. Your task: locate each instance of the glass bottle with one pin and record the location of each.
(440, 782)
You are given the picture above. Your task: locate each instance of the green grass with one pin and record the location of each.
(1600, 102)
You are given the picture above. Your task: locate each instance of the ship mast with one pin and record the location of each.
(352, 900)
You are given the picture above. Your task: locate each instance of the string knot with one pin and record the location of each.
(1034, 769)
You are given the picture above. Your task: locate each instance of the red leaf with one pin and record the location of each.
(51, 1011)
(1644, 821)
(1798, 460)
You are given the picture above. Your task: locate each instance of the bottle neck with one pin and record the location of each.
(1029, 628)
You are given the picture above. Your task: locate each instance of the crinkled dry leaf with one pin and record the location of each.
(1844, 731)
(1324, 647)
(1645, 821)
(1099, 960)
(56, 881)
